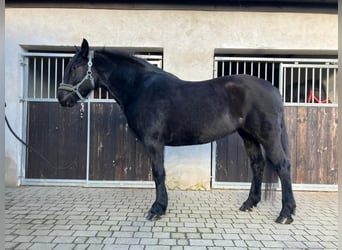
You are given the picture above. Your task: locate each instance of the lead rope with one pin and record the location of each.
(66, 87)
(33, 149)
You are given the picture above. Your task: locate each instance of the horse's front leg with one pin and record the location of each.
(159, 206)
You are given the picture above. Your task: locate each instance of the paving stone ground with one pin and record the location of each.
(61, 218)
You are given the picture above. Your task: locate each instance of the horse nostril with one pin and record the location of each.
(63, 99)
(60, 97)
(66, 99)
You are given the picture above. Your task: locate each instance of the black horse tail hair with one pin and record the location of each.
(270, 181)
(284, 138)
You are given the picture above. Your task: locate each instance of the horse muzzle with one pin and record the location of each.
(66, 98)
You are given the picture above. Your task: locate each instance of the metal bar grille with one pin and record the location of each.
(46, 70)
(264, 69)
(301, 81)
(310, 84)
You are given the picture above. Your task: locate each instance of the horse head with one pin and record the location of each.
(78, 80)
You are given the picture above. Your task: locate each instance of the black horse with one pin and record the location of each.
(163, 110)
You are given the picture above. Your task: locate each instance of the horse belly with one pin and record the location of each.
(199, 131)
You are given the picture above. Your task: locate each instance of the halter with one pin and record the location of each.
(88, 76)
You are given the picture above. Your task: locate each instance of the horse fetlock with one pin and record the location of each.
(251, 202)
(156, 211)
(152, 217)
(289, 207)
(286, 213)
(247, 206)
(284, 219)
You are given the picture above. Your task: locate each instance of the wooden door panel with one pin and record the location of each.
(232, 164)
(312, 135)
(60, 135)
(115, 153)
(313, 144)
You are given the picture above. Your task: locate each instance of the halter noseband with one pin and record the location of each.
(88, 76)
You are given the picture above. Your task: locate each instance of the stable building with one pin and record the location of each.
(292, 44)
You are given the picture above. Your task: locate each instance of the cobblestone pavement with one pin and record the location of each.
(110, 218)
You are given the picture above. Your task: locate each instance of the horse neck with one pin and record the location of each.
(120, 78)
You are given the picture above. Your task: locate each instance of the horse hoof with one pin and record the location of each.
(284, 220)
(249, 209)
(246, 208)
(153, 217)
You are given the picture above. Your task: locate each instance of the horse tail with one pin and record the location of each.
(284, 137)
(270, 180)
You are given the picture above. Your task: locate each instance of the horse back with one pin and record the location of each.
(177, 112)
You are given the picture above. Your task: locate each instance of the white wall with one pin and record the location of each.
(2, 126)
(188, 39)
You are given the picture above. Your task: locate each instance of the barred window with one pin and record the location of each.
(301, 81)
(44, 72)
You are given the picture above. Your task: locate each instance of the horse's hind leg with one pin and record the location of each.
(159, 206)
(277, 155)
(257, 160)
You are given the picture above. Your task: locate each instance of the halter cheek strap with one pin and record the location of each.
(89, 76)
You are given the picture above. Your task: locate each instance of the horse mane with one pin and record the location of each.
(129, 57)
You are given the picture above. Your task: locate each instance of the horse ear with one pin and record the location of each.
(85, 48)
